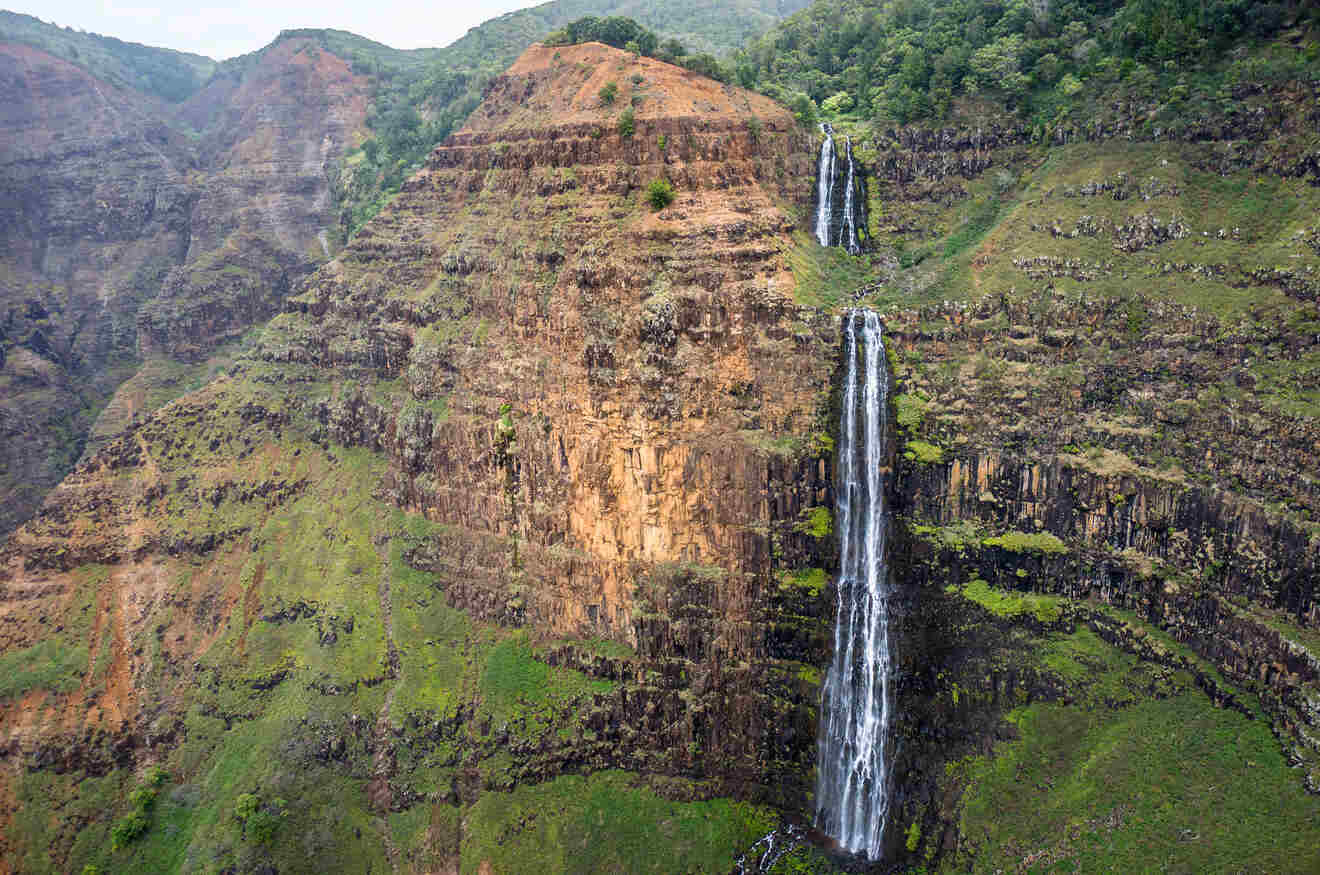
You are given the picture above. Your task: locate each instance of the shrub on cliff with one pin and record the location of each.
(659, 193)
(626, 125)
(608, 92)
(259, 821)
(132, 827)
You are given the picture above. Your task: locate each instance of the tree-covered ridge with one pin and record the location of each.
(624, 33)
(165, 73)
(366, 54)
(908, 60)
(703, 26)
(418, 103)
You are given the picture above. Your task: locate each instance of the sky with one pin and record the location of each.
(223, 30)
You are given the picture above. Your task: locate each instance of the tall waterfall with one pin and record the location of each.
(825, 186)
(852, 793)
(849, 236)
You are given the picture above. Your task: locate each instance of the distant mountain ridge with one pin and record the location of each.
(175, 75)
(165, 73)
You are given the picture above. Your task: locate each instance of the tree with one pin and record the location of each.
(804, 109)
(659, 193)
(259, 821)
(838, 103)
(671, 49)
(997, 61)
(245, 806)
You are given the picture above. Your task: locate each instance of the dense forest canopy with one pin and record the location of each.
(904, 60)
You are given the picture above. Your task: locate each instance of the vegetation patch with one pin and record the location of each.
(817, 522)
(1037, 543)
(957, 535)
(811, 581)
(514, 682)
(606, 822)
(910, 408)
(60, 662)
(923, 452)
(132, 826)
(1045, 608)
(626, 124)
(1195, 788)
(788, 445)
(659, 193)
(826, 276)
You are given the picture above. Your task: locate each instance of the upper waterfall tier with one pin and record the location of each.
(824, 186)
(840, 197)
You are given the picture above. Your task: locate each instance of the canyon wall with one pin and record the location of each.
(133, 228)
(523, 425)
(1109, 432)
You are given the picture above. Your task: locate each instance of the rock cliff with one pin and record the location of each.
(96, 209)
(126, 236)
(1110, 447)
(517, 486)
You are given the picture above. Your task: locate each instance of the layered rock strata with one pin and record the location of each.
(564, 412)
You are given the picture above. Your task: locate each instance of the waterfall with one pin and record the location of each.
(849, 234)
(825, 186)
(852, 793)
(827, 207)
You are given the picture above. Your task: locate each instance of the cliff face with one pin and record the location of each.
(1110, 449)
(643, 345)
(125, 237)
(95, 209)
(263, 212)
(512, 488)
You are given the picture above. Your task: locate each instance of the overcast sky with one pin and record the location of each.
(223, 30)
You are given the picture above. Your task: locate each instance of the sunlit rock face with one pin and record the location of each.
(520, 393)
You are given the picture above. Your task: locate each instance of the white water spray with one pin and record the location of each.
(849, 217)
(824, 186)
(852, 791)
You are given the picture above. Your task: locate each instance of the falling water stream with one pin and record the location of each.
(849, 236)
(825, 186)
(838, 210)
(762, 856)
(852, 793)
